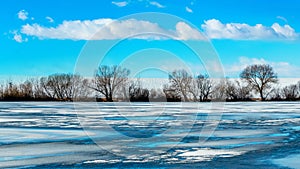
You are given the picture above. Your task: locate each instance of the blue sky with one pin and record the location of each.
(43, 37)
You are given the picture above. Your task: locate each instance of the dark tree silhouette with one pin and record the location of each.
(291, 92)
(236, 91)
(109, 80)
(137, 93)
(260, 78)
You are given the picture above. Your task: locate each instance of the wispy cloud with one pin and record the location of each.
(120, 4)
(188, 9)
(282, 18)
(158, 5)
(18, 37)
(50, 19)
(215, 29)
(283, 69)
(147, 3)
(103, 29)
(23, 15)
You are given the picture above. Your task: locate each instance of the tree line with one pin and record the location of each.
(112, 83)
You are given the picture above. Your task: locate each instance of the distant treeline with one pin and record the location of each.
(112, 83)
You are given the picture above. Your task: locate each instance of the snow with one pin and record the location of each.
(115, 133)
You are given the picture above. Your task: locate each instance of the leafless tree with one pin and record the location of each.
(108, 80)
(38, 91)
(172, 94)
(298, 86)
(81, 90)
(219, 90)
(181, 82)
(276, 93)
(11, 91)
(26, 89)
(45, 85)
(201, 88)
(236, 91)
(62, 86)
(260, 78)
(291, 92)
(1, 91)
(230, 90)
(243, 91)
(137, 92)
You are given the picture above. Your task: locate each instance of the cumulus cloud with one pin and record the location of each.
(23, 15)
(18, 37)
(188, 9)
(215, 29)
(104, 29)
(50, 19)
(120, 4)
(158, 5)
(283, 69)
(100, 29)
(185, 32)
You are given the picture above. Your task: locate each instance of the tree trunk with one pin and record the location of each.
(262, 95)
(110, 99)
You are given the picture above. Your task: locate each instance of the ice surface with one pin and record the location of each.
(42, 133)
(289, 161)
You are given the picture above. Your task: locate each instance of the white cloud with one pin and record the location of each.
(188, 9)
(282, 18)
(23, 15)
(185, 32)
(49, 19)
(215, 29)
(101, 29)
(120, 4)
(18, 37)
(158, 5)
(283, 69)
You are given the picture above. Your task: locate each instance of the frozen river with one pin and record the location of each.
(150, 135)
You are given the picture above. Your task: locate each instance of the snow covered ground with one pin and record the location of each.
(150, 135)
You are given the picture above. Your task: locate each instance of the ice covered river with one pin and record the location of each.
(150, 135)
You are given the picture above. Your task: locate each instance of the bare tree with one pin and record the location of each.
(62, 86)
(58, 86)
(260, 78)
(219, 90)
(38, 90)
(181, 82)
(11, 91)
(276, 94)
(172, 94)
(137, 92)
(243, 91)
(291, 92)
(201, 88)
(81, 90)
(1, 91)
(298, 86)
(45, 85)
(236, 91)
(26, 89)
(109, 80)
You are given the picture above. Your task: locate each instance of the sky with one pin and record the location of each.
(39, 38)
